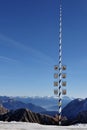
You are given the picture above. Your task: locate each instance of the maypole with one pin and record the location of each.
(60, 75)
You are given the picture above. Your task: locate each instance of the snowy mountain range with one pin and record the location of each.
(19, 108)
(35, 104)
(49, 103)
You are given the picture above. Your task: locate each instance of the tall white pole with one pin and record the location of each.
(60, 84)
(60, 65)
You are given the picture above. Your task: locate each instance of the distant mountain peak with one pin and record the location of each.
(74, 107)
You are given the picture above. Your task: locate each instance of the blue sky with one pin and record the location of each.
(29, 32)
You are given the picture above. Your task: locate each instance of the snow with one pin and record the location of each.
(80, 99)
(35, 126)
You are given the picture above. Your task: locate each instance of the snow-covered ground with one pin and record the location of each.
(34, 126)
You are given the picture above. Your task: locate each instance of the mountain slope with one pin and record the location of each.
(49, 103)
(74, 107)
(26, 115)
(13, 105)
(3, 110)
(82, 117)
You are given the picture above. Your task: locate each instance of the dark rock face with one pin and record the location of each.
(3, 110)
(50, 113)
(26, 115)
(74, 108)
(82, 117)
